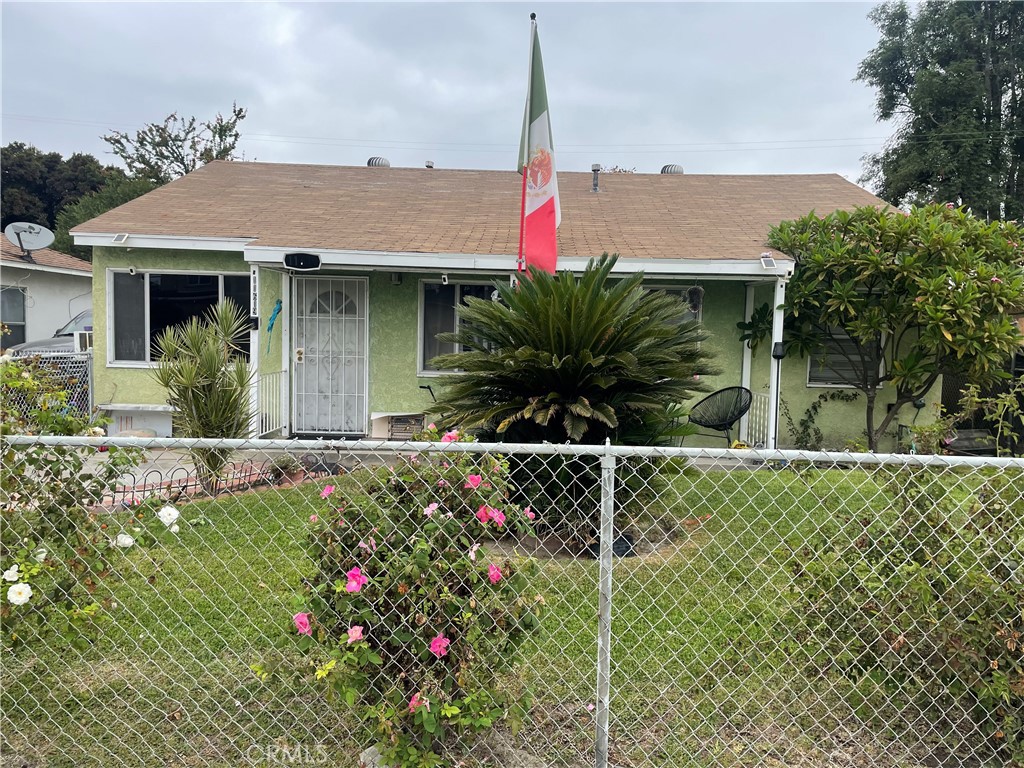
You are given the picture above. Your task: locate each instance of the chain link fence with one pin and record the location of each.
(64, 381)
(699, 607)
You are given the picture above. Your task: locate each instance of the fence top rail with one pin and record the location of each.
(623, 451)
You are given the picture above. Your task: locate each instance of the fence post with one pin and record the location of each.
(604, 621)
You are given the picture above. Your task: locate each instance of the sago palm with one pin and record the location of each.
(564, 359)
(561, 358)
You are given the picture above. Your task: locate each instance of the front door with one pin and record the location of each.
(329, 362)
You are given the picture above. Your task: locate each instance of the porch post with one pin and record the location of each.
(776, 368)
(255, 428)
(286, 352)
(748, 310)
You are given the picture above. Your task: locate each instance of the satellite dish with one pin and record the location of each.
(28, 237)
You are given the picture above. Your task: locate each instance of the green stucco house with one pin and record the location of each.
(350, 272)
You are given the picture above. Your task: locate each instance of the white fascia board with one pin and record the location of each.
(175, 242)
(83, 273)
(707, 269)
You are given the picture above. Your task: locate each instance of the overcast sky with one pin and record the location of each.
(717, 88)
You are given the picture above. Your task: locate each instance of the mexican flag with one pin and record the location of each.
(541, 215)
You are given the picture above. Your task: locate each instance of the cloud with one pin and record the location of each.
(714, 87)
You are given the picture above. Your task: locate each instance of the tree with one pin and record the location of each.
(161, 152)
(207, 382)
(903, 298)
(118, 191)
(952, 75)
(37, 185)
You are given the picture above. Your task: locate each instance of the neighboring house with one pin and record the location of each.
(40, 293)
(391, 251)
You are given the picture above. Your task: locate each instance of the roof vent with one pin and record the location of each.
(430, 163)
(672, 168)
(378, 162)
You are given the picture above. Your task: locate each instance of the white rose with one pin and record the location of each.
(174, 529)
(19, 594)
(168, 515)
(11, 574)
(96, 432)
(124, 541)
(26, 375)
(39, 555)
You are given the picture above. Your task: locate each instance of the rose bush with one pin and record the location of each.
(413, 614)
(59, 543)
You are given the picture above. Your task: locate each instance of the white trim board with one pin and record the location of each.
(32, 267)
(468, 263)
(173, 242)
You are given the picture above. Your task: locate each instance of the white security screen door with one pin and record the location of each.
(330, 355)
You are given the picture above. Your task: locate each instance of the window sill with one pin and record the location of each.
(131, 364)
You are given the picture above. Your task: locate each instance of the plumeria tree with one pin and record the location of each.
(904, 298)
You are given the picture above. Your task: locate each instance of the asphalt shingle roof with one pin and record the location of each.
(650, 216)
(44, 257)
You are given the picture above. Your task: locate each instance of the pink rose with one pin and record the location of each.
(356, 580)
(430, 509)
(472, 552)
(302, 624)
(439, 646)
(996, 279)
(498, 517)
(327, 491)
(473, 481)
(313, 518)
(418, 701)
(530, 514)
(431, 425)
(483, 514)
(355, 634)
(370, 545)
(450, 437)
(494, 573)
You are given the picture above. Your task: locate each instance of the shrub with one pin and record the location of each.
(208, 383)
(565, 359)
(56, 548)
(925, 600)
(412, 614)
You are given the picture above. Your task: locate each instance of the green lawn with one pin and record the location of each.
(698, 675)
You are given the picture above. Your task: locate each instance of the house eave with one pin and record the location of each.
(33, 267)
(176, 242)
(469, 263)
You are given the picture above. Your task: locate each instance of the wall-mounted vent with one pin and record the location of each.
(672, 168)
(378, 162)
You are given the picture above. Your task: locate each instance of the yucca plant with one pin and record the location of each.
(565, 359)
(208, 382)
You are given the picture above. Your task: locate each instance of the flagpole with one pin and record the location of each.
(525, 157)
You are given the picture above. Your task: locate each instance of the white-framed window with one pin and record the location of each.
(692, 296)
(437, 315)
(12, 314)
(839, 363)
(141, 305)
